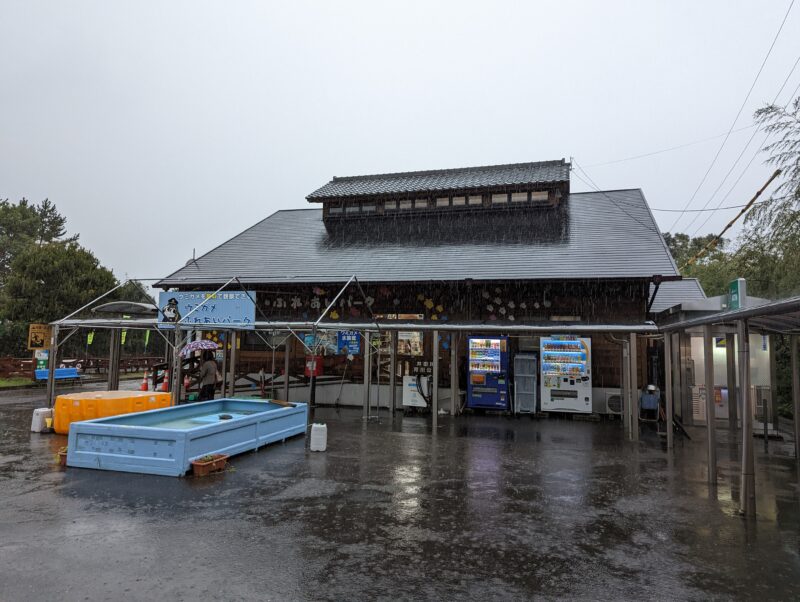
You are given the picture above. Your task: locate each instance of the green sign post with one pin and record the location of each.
(737, 294)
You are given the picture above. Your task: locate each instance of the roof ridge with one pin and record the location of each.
(427, 172)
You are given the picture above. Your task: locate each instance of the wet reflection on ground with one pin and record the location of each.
(487, 507)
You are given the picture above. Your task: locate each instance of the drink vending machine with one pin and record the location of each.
(566, 374)
(487, 382)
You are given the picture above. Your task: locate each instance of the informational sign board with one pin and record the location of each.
(41, 356)
(737, 294)
(38, 336)
(204, 309)
(348, 342)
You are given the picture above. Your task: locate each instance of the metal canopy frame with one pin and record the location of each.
(776, 317)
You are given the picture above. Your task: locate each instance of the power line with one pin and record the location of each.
(735, 119)
(701, 210)
(758, 150)
(671, 148)
(741, 154)
(714, 241)
(596, 188)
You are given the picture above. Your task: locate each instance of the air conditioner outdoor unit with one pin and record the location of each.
(614, 402)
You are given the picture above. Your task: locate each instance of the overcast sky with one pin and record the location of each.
(159, 127)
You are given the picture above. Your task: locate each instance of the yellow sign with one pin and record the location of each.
(38, 336)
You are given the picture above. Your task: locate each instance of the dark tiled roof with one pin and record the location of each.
(491, 176)
(675, 293)
(592, 235)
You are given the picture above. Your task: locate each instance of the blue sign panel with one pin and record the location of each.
(348, 341)
(206, 309)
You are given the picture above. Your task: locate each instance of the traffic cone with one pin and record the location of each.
(143, 386)
(165, 382)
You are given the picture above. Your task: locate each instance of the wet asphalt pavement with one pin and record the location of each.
(488, 508)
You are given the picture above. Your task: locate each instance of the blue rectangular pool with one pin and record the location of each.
(165, 441)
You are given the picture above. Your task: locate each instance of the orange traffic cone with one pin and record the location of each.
(143, 386)
(165, 382)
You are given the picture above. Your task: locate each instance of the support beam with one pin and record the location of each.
(794, 341)
(367, 371)
(670, 413)
(114, 349)
(286, 365)
(52, 358)
(223, 389)
(634, 376)
(773, 386)
(455, 396)
(625, 387)
(393, 370)
(175, 373)
(435, 381)
(747, 499)
(711, 418)
(733, 395)
(234, 363)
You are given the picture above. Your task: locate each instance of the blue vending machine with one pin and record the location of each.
(487, 382)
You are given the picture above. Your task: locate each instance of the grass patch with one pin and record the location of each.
(14, 381)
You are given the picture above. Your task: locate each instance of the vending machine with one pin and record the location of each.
(566, 362)
(487, 382)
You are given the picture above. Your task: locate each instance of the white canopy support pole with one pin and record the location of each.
(668, 392)
(435, 381)
(633, 376)
(393, 371)
(730, 369)
(625, 386)
(711, 417)
(454, 394)
(367, 371)
(51, 366)
(747, 500)
(92, 302)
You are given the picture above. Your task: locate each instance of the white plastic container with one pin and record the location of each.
(319, 437)
(39, 420)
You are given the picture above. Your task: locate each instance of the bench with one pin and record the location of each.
(60, 374)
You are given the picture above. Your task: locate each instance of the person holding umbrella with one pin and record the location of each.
(208, 376)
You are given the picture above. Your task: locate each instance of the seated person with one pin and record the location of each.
(648, 403)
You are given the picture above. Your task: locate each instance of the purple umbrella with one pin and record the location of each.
(198, 346)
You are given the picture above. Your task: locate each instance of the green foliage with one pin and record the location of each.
(49, 281)
(25, 223)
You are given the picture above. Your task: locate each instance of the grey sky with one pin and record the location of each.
(159, 127)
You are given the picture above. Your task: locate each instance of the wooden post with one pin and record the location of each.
(747, 499)
(670, 413)
(708, 360)
(113, 360)
(234, 338)
(634, 377)
(52, 357)
(175, 373)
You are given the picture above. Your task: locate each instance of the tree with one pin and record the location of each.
(769, 247)
(714, 268)
(23, 224)
(49, 281)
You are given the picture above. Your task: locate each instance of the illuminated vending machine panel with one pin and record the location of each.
(566, 374)
(487, 382)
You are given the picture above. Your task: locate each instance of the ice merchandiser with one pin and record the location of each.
(487, 382)
(566, 362)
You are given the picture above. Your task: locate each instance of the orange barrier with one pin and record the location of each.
(99, 404)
